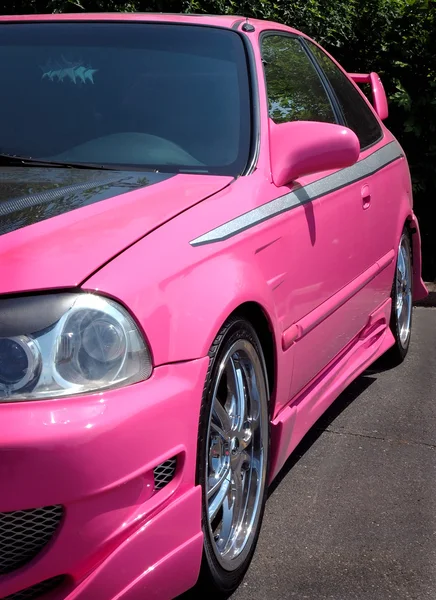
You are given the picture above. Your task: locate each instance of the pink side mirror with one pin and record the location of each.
(379, 98)
(300, 148)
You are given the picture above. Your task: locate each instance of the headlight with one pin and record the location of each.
(68, 344)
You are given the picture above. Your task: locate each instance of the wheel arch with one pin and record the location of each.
(260, 321)
(419, 289)
(188, 301)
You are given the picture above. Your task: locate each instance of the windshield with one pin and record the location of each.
(174, 98)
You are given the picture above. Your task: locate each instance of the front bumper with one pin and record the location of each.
(95, 455)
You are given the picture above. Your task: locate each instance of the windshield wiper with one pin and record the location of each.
(27, 161)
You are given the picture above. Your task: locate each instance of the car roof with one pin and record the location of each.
(226, 21)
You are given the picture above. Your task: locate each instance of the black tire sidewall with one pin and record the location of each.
(220, 583)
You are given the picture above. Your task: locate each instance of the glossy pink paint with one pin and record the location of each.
(95, 455)
(45, 255)
(379, 98)
(315, 147)
(320, 273)
(290, 426)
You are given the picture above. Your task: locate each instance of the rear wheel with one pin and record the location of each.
(233, 456)
(401, 316)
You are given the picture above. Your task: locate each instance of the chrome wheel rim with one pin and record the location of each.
(236, 456)
(404, 292)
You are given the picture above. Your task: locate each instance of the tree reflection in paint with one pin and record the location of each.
(19, 185)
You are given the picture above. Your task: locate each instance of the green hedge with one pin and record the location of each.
(396, 38)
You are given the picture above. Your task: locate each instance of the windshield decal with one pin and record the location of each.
(65, 70)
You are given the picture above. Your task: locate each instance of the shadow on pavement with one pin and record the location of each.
(347, 397)
(429, 301)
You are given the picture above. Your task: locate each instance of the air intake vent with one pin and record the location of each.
(24, 533)
(36, 591)
(164, 473)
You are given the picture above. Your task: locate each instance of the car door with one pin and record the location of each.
(382, 185)
(326, 249)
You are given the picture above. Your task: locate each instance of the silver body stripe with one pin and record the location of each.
(365, 167)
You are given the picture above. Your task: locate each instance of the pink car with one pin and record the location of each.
(207, 234)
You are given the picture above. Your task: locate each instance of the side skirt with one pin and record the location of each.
(295, 420)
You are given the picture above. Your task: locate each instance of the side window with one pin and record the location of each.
(358, 116)
(295, 91)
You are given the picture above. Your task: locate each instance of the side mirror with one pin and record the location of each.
(379, 98)
(300, 148)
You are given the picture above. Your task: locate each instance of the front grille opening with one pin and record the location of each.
(164, 473)
(38, 590)
(24, 533)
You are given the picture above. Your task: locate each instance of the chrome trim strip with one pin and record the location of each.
(364, 168)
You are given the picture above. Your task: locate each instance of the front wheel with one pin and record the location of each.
(233, 451)
(401, 316)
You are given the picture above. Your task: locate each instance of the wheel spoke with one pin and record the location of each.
(223, 417)
(399, 305)
(237, 394)
(224, 434)
(245, 436)
(232, 509)
(405, 311)
(402, 264)
(215, 483)
(217, 502)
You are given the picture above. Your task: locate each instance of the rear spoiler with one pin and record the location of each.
(360, 77)
(379, 99)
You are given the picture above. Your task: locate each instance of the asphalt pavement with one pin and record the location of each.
(352, 515)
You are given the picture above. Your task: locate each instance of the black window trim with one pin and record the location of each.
(333, 93)
(324, 82)
(253, 83)
(253, 87)
(328, 87)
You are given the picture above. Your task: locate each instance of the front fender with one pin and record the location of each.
(181, 305)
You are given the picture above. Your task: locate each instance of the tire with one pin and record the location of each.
(401, 315)
(233, 456)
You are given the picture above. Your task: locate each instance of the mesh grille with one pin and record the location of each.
(164, 473)
(36, 591)
(24, 533)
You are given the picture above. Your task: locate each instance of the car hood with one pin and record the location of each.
(58, 226)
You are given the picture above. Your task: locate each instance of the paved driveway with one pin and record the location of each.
(353, 515)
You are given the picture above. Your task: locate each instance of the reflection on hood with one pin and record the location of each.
(30, 194)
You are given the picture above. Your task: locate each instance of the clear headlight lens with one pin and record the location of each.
(95, 344)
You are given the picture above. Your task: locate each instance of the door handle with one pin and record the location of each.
(366, 197)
